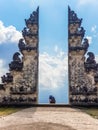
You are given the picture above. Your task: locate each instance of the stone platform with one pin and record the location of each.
(50, 118)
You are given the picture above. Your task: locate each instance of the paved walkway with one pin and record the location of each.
(49, 118)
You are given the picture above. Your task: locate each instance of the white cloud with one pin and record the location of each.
(53, 70)
(93, 29)
(89, 39)
(9, 34)
(3, 69)
(88, 2)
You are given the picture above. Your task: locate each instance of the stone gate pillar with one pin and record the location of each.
(20, 85)
(83, 72)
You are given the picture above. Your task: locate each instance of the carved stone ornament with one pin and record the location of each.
(16, 64)
(7, 78)
(73, 17)
(33, 18)
(22, 46)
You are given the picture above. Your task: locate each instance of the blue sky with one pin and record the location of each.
(53, 70)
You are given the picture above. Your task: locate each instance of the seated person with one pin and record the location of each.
(52, 99)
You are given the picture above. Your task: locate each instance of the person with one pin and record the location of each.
(52, 99)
